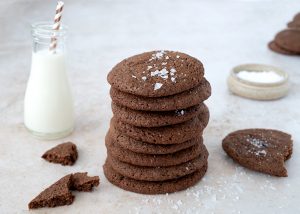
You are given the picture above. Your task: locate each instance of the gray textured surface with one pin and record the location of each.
(220, 33)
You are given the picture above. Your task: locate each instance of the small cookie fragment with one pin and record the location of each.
(263, 150)
(64, 154)
(58, 194)
(82, 182)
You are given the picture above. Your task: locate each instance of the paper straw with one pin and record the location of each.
(56, 25)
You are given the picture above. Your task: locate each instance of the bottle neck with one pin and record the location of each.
(45, 38)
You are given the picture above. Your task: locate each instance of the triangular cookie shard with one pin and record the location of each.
(58, 194)
(64, 154)
(82, 182)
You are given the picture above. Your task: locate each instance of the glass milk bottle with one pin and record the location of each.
(48, 105)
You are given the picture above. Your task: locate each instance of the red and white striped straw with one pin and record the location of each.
(56, 25)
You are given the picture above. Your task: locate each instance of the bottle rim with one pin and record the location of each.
(44, 30)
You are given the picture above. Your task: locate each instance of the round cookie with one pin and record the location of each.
(294, 24)
(182, 100)
(263, 150)
(297, 17)
(149, 148)
(274, 47)
(173, 134)
(153, 187)
(289, 40)
(157, 119)
(156, 74)
(152, 160)
(158, 173)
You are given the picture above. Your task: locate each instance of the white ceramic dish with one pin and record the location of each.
(257, 90)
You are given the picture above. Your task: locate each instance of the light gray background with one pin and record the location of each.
(221, 34)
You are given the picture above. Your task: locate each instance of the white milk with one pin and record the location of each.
(48, 105)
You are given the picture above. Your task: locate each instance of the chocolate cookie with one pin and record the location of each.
(58, 194)
(274, 47)
(158, 173)
(153, 187)
(156, 74)
(149, 148)
(289, 40)
(139, 159)
(173, 134)
(296, 22)
(297, 17)
(182, 100)
(64, 154)
(262, 150)
(157, 119)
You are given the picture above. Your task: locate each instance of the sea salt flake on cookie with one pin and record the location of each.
(160, 73)
(157, 55)
(157, 86)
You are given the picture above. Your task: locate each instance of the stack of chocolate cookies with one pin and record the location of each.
(154, 144)
(287, 41)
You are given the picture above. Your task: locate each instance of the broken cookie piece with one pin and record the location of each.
(82, 182)
(262, 150)
(64, 154)
(58, 194)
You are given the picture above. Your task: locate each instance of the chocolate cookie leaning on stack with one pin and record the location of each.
(287, 41)
(154, 144)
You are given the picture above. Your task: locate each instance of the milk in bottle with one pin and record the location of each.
(48, 105)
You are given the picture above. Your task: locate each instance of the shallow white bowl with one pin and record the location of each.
(257, 90)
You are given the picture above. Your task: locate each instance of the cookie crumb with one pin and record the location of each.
(64, 154)
(82, 182)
